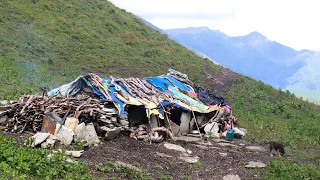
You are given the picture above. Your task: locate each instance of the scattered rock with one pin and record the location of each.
(49, 141)
(3, 119)
(80, 132)
(71, 123)
(189, 159)
(39, 138)
(253, 164)
(124, 123)
(221, 140)
(241, 144)
(163, 155)
(208, 143)
(231, 177)
(75, 153)
(4, 103)
(174, 147)
(255, 148)
(91, 136)
(227, 145)
(201, 146)
(189, 151)
(187, 139)
(111, 133)
(122, 164)
(223, 154)
(65, 135)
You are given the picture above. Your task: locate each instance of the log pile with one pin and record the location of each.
(27, 113)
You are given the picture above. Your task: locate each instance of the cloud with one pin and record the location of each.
(293, 23)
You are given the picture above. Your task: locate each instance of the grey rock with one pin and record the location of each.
(174, 147)
(38, 138)
(113, 119)
(255, 148)
(111, 133)
(79, 134)
(189, 159)
(187, 139)
(49, 141)
(4, 102)
(253, 164)
(65, 135)
(75, 153)
(110, 110)
(201, 146)
(154, 121)
(231, 177)
(124, 122)
(223, 154)
(227, 145)
(185, 121)
(163, 155)
(3, 119)
(91, 136)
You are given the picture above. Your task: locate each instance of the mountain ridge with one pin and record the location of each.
(252, 55)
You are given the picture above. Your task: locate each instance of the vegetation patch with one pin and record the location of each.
(17, 162)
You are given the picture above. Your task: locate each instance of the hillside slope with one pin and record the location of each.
(47, 43)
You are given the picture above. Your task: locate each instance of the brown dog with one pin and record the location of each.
(278, 147)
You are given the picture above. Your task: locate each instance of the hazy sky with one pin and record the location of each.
(295, 23)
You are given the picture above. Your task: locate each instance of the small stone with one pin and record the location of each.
(227, 145)
(187, 139)
(201, 146)
(223, 154)
(190, 159)
(163, 155)
(103, 117)
(231, 177)
(189, 151)
(3, 119)
(221, 140)
(110, 110)
(75, 153)
(253, 164)
(111, 133)
(49, 142)
(113, 119)
(255, 148)
(208, 143)
(241, 144)
(174, 147)
(65, 135)
(39, 138)
(124, 122)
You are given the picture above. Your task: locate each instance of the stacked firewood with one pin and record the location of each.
(28, 112)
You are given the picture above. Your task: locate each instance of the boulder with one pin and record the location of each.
(71, 123)
(253, 164)
(79, 134)
(91, 136)
(38, 138)
(65, 135)
(185, 121)
(111, 133)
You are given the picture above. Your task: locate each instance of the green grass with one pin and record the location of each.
(18, 162)
(46, 43)
(279, 169)
(271, 114)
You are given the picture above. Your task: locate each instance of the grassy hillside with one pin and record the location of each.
(47, 43)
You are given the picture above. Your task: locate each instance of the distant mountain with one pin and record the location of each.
(256, 56)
